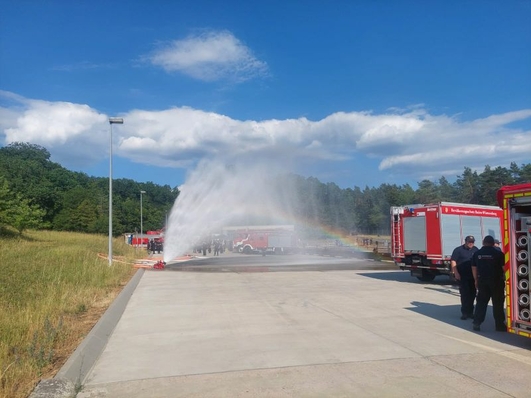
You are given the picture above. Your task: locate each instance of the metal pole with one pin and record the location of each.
(141, 221)
(110, 198)
(112, 120)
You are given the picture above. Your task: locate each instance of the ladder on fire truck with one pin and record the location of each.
(396, 243)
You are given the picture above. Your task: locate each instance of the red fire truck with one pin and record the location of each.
(143, 240)
(279, 239)
(423, 236)
(515, 201)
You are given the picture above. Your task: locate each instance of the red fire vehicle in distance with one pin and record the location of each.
(423, 236)
(143, 240)
(515, 200)
(278, 239)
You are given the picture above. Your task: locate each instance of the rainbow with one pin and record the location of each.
(323, 230)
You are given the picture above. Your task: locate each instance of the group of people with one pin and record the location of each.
(481, 278)
(155, 245)
(217, 244)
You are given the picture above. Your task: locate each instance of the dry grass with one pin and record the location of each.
(53, 289)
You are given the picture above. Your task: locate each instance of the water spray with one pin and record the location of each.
(218, 195)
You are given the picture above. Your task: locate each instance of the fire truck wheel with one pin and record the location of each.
(426, 276)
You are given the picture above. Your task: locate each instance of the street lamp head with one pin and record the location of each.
(116, 120)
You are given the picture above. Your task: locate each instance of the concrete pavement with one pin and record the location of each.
(301, 334)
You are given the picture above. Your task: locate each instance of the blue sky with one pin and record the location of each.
(352, 92)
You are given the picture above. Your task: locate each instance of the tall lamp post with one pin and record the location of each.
(112, 120)
(141, 221)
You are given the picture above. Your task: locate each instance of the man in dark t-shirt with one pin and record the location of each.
(487, 268)
(461, 267)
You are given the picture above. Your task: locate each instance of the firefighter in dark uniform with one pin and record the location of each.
(487, 268)
(461, 267)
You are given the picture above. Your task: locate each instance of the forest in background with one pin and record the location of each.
(36, 193)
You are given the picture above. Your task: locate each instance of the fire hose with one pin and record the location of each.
(522, 255)
(523, 299)
(525, 314)
(523, 285)
(522, 241)
(523, 270)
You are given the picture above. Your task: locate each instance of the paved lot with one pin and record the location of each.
(338, 333)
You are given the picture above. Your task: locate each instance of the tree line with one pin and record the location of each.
(38, 193)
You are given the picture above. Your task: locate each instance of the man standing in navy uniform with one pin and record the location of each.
(487, 268)
(461, 267)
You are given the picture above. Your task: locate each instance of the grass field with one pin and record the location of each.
(53, 289)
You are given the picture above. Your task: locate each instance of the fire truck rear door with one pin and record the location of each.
(415, 233)
(450, 233)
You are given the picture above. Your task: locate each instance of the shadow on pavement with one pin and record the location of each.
(405, 276)
(450, 314)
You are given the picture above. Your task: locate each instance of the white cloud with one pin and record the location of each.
(71, 132)
(209, 56)
(444, 141)
(53, 122)
(414, 144)
(8, 118)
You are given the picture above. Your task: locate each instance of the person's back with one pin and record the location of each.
(489, 263)
(488, 270)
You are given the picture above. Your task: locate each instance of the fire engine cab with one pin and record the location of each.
(423, 236)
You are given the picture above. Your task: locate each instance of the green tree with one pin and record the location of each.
(27, 167)
(17, 211)
(5, 201)
(468, 187)
(447, 191)
(427, 192)
(490, 181)
(25, 215)
(525, 174)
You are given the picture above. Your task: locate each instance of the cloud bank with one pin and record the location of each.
(412, 142)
